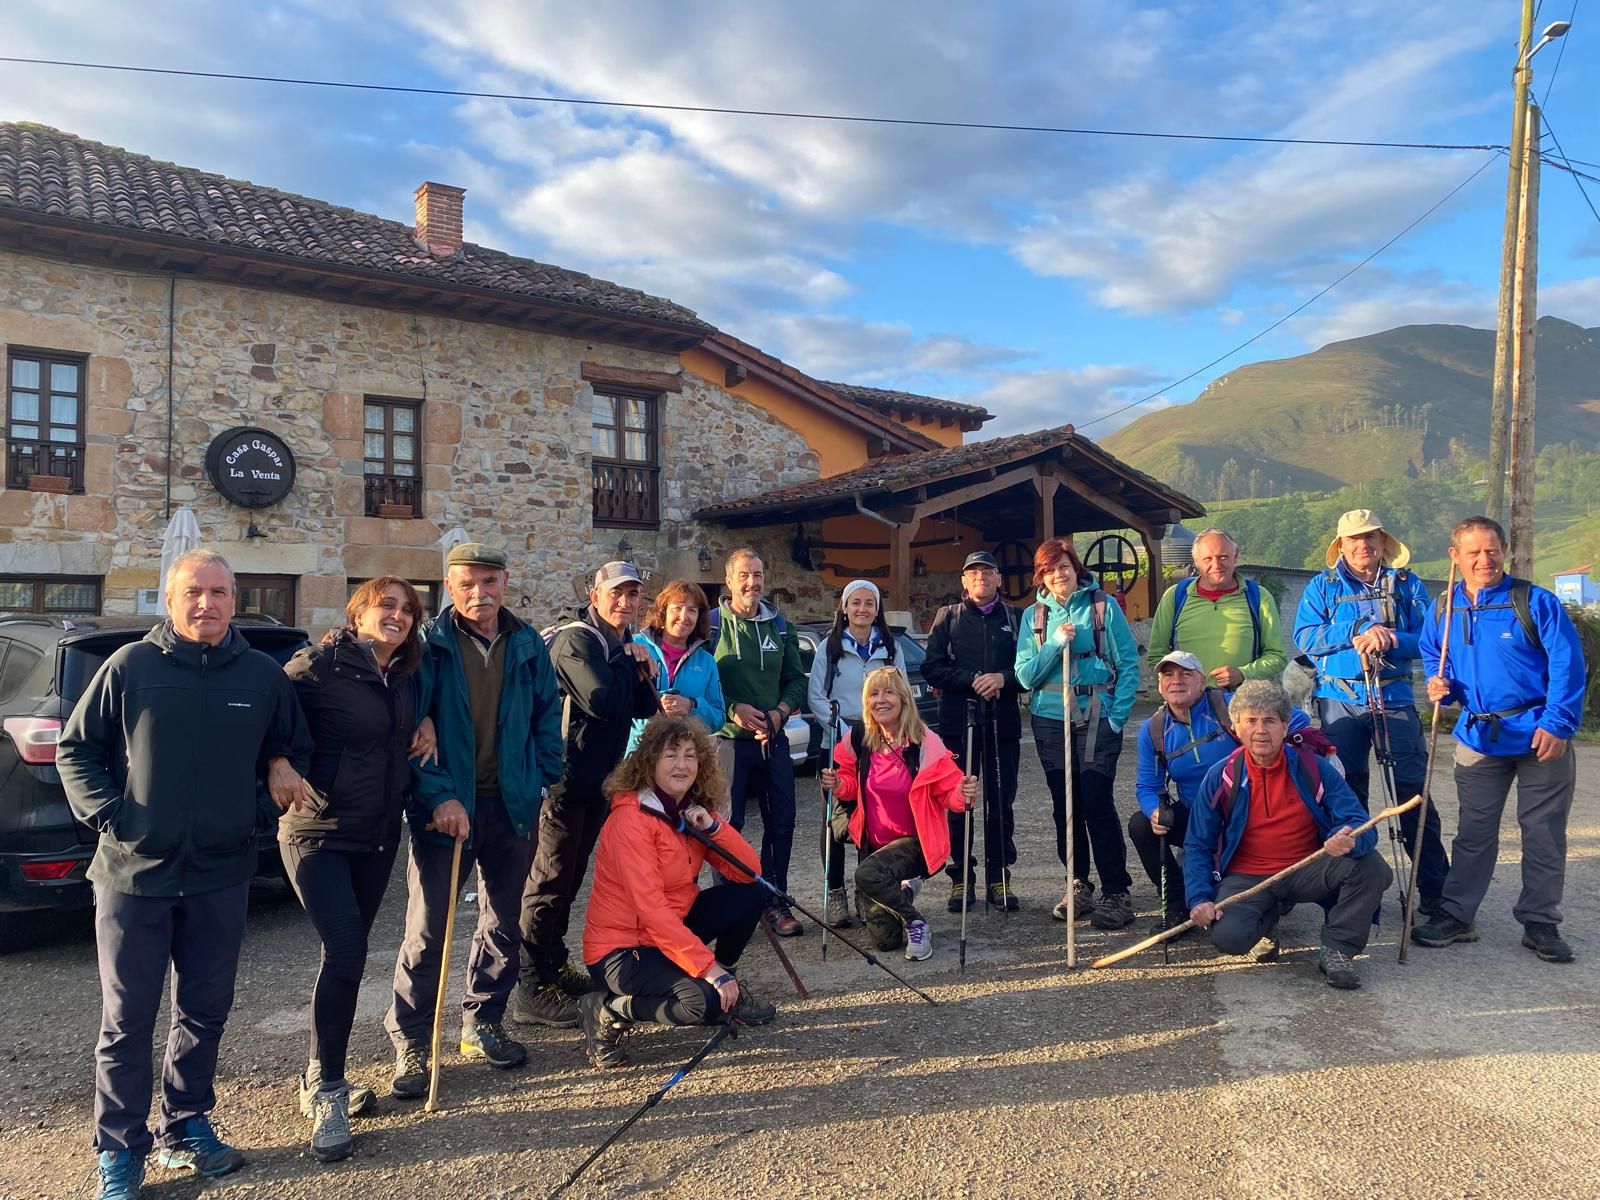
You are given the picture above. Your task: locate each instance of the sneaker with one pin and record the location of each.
(547, 1004)
(330, 1124)
(751, 1009)
(488, 1040)
(121, 1174)
(1266, 950)
(410, 1073)
(1004, 897)
(782, 922)
(603, 1031)
(575, 982)
(363, 1099)
(1544, 941)
(958, 894)
(1082, 893)
(1337, 967)
(919, 942)
(839, 909)
(1442, 930)
(199, 1149)
(1115, 911)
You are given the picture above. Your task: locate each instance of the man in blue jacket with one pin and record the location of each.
(487, 682)
(1360, 620)
(1516, 667)
(1263, 809)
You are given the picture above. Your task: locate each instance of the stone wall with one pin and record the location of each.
(506, 431)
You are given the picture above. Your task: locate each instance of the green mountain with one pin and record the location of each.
(1352, 412)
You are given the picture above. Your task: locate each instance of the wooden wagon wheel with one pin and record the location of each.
(1016, 570)
(1125, 568)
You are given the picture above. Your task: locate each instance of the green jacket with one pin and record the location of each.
(1219, 633)
(758, 661)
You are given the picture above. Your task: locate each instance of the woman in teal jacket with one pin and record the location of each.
(1072, 609)
(677, 632)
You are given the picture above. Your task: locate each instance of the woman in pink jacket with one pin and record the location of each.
(893, 782)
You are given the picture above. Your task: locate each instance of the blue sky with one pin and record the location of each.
(1051, 278)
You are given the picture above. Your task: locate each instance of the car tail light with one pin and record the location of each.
(34, 737)
(44, 872)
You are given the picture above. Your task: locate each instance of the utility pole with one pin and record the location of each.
(1494, 504)
(1526, 315)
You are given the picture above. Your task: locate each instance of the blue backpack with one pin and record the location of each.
(1252, 598)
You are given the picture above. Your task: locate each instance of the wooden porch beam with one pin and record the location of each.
(975, 491)
(1097, 500)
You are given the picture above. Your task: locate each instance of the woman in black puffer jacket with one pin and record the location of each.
(358, 691)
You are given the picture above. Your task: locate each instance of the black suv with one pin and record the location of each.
(45, 665)
(910, 652)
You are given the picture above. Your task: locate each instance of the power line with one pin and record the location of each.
(1570, 170)
(1561, 52)
(843, 118)
(1302, 307)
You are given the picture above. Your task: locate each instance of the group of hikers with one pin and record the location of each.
(636, 739)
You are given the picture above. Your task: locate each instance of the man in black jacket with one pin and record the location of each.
(606, 681)
(972, 651)
(170, 755)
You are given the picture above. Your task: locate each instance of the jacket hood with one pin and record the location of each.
(764, 612)
(188, 653)
(1086, 585)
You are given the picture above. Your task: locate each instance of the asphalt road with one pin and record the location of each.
(1468, 1072)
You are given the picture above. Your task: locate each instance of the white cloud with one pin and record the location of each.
(1387, 300)
(1575, 300)
(1023, 400)
(872, 353)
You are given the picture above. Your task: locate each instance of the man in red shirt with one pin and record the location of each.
(1264, 808)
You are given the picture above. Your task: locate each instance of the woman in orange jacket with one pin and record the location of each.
(893, 782)
(647, 939)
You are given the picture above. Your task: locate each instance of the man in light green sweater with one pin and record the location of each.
(1230, 624)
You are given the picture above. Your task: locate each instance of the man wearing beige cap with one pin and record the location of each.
(1360, 621)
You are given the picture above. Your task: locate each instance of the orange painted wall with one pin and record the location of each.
(945, 435)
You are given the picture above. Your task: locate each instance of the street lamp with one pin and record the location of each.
(1552, 31)
(625, 550)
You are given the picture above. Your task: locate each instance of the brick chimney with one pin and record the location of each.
(439, 218)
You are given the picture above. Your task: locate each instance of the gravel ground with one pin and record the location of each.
(1468, 1072)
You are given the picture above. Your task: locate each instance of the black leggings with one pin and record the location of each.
(340, 891)
(1095, 827)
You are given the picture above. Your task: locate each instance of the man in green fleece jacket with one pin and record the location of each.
(1230, 624)
(758, 661)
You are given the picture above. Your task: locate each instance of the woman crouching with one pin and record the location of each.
(893, 783)
(647, 940)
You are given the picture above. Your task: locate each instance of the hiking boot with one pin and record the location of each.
(1266, 950)
(362, 1099)
(782, 922)
(1004, 897)
(603, 1031)
(1431, 906)
(1442, 930)
(1082, 893)
(839, 909)
(1337, 967)
(574, 982)
(200, 1150)
(751, 1009)
(547, 1004)
(958, 893)
(1544, 941)
(121, 1174)
(410, 1073)
(919, 942)
(1115, 911)
(330, 1124)
(489, 1041)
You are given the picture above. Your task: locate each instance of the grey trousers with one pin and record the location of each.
(1544, 800)
(1352, 885)
(502, 859)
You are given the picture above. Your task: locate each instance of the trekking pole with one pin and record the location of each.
(830, 735)
(1371, 679)
(1072, 838)
(783, 961)
(969, 875)
(444, 980)
(993, 758)
(725, 1030)
(1433, 754)
(1320, 852)
(1162, 815)
(784, 898)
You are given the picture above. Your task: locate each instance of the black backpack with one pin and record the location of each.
(1519, 603)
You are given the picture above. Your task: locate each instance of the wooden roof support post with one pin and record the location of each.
(1044, 518)
(898, 587)
(1154, 583)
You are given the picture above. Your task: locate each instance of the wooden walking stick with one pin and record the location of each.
(1322, 852)
(444, 979)
(1433, 757)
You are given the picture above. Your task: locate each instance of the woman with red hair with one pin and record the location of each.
(1071, 610)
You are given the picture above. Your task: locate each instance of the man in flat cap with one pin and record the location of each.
(487, 682)
(606, 680)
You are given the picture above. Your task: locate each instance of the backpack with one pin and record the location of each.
(1252, 599)
(1309, 745)
(1520, 603)
(1388, 614)
(948, 614)
(1097, 622)
(548, 634)
(1162, 720)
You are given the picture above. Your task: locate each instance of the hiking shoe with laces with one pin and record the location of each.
(199, 1149)
(752, 1009)
(488, 1041)
(576, 983)
(1338, 968)
(330, 1124)
(919, 942)
(1082, 893)
(362, 1098)
(603, 1031)
(839, 909)
(1266, 950)
(1004, 897)
(547, 1004)
(1115, 911)
(410, 1073)
(1546, 942)
(1442, 930)
(121, 1174)
(958, 892)
(782, 922)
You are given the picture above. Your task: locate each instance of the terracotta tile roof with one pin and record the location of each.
(56, 174)
(885, 400)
